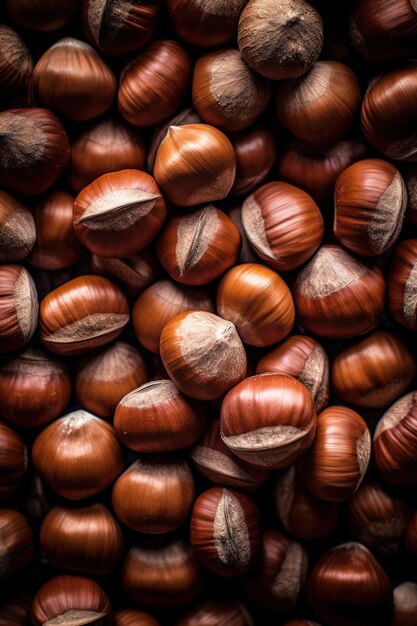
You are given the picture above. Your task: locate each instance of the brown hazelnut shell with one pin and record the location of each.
(195, 164)
(337, 296)
(267, 32)
(85, 313)
(303, 358)
(258, 302)
(78, 455)
(202, 354)
(268, 420)
(226, 92)
(120, 27)
(154, 495)
(336, 463)
(198, 247)
(35, 388)
(72, 79)
(283, 225)
(166, 575)
(153, 85)
(34, 150)
(348, 587)
(69, 598)
(225, 531)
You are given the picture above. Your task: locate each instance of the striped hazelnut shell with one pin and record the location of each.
(35, 388)
(85, 313)
(72, 79)
(119, 213)
(370, 201)
(377, 518)
(303, 358)
(35, 150)
(164, 575)
(78, 455)
(195, 164)
(348, 587)
(159, 304)
(154, 84)
(203, 354)
(157, 417)
(258, 302)
(336, 463)
(268, 420)
(71, 599)
(337, 296)
(395, 442)
(154, 495)
(225, 531)
(17, 229)
(373, 372)
(402, 284)
(198, 247)
(120, 26)
(102, 379)
(18, 307)
(216, 462)
(226, 92)
(320, 106)
(283, 224)
(301, 513)
(276, 582)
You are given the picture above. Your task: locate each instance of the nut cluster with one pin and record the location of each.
(208, 312)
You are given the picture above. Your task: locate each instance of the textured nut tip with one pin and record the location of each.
(150, 395)
(330, 270)
(387, 533)
(73, 423)
(14, 50)
(71, 42)
(395, 414)
(34, 362)
(387, 219)
(77, 617)
(117, 362)
(284, 494)
(288, 583)
(289, 37)
(224, 8)
(194, 234)
(4, 562)
(217, 463)
(303, 93)
(109, 16)
(254, 226)
(363, 454)
(405, 597)
(230, 531)
(212, 347)
(17, 232)
(230, 77)
(351, 545)
(172, 554)
(118, 209)
(26, 304)
(410, 297)
(149, 468)
(315, 376)
(268, 446)
(403, 149)
(89, 327)
(22, 141)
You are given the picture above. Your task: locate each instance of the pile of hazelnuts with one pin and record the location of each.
(208, 312)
